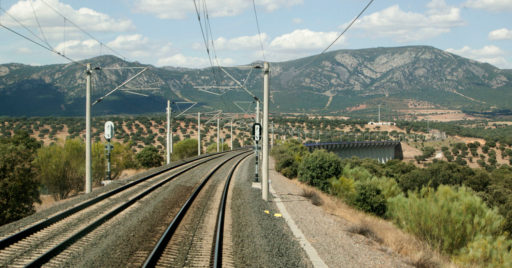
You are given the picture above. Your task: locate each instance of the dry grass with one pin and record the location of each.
(418, 253)
(312, 195)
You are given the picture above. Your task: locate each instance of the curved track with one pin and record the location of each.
(197, 231)
(41, 242)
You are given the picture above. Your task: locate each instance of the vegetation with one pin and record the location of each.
(318, 167)
(448, 218)
(184, 149)
(18, 186)
(463, 212)
(149, 157)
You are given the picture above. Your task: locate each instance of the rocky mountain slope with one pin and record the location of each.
(333, 82)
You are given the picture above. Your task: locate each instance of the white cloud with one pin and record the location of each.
(405, 26)
(304, 39)
(79, 49)
(180, 9)
(23, 50)
(240, 43)
(181, 60)
(501, 34)
(491, 5)
(297, 20)
(54, 25)
(134, 47)
(490, 54)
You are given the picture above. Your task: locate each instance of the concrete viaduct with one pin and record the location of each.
(379, 150)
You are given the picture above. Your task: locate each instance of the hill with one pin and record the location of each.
(335, 82)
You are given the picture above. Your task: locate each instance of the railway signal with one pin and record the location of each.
(256, 135)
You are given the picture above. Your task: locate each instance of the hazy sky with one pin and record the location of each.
(167, 32)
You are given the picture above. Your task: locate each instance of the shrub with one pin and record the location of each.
(61, 168)
(185, 148)
(343, 187)
(357, 173)
(448, 219)
(486, 251)
(288, 156)
(388, 186)
(368, 198)
(149, 157)
(18, 185)
(318, 167)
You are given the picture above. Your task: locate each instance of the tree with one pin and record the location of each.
(61, 168)
(122, 158)
(149, 157)
(184, 149)
(236, 144)
(18, 185)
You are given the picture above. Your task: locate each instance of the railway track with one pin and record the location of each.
(194, 238)
(51, 241)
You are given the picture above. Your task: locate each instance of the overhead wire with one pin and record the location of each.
(339, 36)
(24, 26)
(205, 39)
(48, 47)
(209, 30)
(348, 26)
(39, 25)
(259, 32)
(41, 45)
(84, 31)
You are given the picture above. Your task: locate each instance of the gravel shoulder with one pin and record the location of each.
(329, 234)
(259, 238)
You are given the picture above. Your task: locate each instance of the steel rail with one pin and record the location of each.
(14, 238)
(160, 246)
(48, 255)
(219, 233)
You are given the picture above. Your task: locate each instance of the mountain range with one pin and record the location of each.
(337, 82)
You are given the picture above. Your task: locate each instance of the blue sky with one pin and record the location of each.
(167, 33)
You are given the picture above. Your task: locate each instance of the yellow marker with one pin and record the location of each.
(266, 211)
(278, 215)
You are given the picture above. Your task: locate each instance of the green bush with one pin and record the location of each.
(61, 168)
(388, 186)
(318, 167)
(19, 188)
(184, 149)
(343, 187)
(356, 173)
(448, 219)
(149, 157)
(487, 251)
(288, 156)
(369, 198)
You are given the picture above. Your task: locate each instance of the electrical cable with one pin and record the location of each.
(39, 25)
(24, 27)
(41, 45)
(204, 36)
(259, 32)
(84, 31)
(348, 27)
(339, 36)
